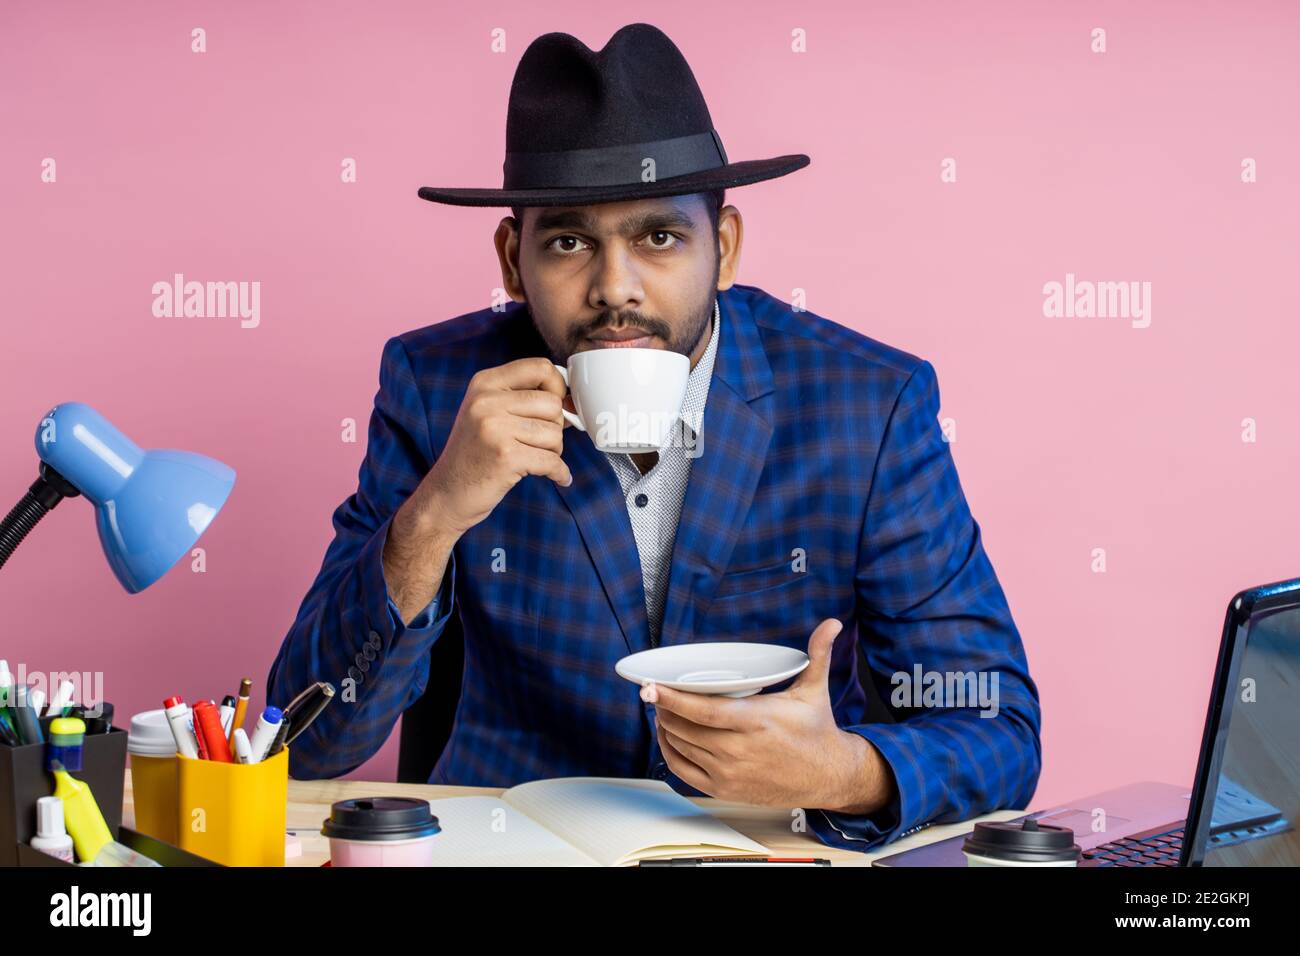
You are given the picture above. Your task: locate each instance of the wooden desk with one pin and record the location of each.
(309, 805)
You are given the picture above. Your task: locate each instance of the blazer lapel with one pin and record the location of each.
(733, 443)
(596, 500)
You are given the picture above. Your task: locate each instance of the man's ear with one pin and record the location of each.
(506, 240)
(731, 235)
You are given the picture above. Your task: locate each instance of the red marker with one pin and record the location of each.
(210, 733)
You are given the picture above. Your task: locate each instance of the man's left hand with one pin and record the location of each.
(781, 749)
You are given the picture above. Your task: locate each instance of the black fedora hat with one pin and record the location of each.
(625, 122)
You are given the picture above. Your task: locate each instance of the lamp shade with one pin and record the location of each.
(150, 506)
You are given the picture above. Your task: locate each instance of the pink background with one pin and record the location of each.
(1072, 434)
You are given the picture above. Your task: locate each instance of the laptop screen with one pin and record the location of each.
(1256, 802)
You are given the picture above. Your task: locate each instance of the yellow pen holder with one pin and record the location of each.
(233, 813)
(153, 786)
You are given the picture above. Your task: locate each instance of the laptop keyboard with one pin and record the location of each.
(1157, 849)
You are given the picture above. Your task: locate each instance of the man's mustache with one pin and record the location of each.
(633, 320)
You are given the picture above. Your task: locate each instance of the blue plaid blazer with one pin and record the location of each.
(818, 443)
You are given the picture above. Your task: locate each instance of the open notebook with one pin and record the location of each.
(581, 821)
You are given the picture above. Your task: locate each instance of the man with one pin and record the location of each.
(810, 500)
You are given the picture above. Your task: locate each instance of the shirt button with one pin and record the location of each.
(641, 500)
(660, 771)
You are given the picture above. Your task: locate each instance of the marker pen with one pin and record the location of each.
(278, 743)
(227, 715)
(243, 750)
(61, 699)
(8, 732)
(7, 716)
(29, 725)
(8, 729)
(178, 718)
(268, 725)
(210, 734)
(6, 685)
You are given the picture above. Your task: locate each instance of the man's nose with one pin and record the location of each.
(616, 284)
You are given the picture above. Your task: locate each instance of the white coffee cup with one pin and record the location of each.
(627, 399)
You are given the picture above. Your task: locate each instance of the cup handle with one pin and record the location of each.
(573, 419)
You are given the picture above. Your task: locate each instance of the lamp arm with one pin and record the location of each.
(46, 492)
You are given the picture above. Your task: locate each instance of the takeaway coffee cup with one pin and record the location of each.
(381, 831)
(1022, 843)
(154, 780)
(627, 400)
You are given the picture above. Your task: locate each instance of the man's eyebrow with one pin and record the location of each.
(633, 224)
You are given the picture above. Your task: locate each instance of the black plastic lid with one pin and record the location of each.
(380, 818)
(1024, 841)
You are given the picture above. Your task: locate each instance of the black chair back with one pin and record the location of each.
(426, 724)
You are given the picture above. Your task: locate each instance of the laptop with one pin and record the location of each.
(1245, 799)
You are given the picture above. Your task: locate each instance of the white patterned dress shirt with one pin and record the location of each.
(654, 500)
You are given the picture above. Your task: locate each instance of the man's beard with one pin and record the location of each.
(684, 341)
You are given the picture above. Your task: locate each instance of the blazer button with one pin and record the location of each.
(375, 640)
(368, 652)
(356, 675)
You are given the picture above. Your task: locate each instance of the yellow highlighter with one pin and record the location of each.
(81, 813)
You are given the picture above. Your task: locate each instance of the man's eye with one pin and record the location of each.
(571, 244)
(662, 240)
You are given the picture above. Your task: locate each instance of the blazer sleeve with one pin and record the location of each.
(347, 630)
(928, 599)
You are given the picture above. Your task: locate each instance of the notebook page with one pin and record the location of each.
(483, 831)
(618, 821)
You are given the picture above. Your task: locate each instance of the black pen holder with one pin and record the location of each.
(24, 779)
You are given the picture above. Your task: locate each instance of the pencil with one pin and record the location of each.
(241, 707)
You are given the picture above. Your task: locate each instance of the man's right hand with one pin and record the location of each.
(509, 425)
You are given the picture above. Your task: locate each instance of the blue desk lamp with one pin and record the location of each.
(150, 506)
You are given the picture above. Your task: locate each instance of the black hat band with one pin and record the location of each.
(614, 165)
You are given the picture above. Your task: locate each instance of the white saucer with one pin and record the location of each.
(731, 669)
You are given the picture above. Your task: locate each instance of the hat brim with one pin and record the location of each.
(723, 177)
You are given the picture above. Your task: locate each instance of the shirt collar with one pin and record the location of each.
(697, 383)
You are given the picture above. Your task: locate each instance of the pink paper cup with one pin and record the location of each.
(381, 831)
